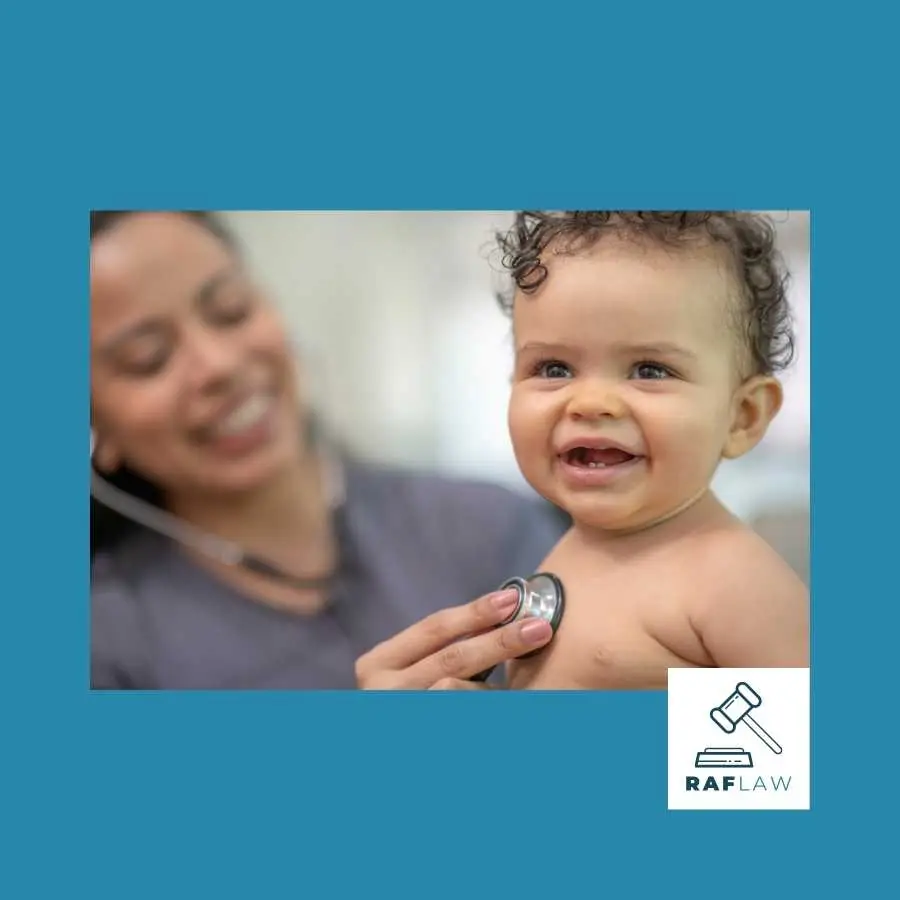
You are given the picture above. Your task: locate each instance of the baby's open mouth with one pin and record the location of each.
(590, 458)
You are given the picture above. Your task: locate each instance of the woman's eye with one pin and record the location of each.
(145, 361)
(145, 367)
(229, 306)
(647, 371)
(230, 313)
(552, 369)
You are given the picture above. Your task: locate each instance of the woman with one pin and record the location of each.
(196, 411)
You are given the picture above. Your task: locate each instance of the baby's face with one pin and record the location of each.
(625, 373)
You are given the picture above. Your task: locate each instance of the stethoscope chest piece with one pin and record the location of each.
(542, 596)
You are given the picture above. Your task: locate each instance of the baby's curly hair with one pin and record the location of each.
(749, 238)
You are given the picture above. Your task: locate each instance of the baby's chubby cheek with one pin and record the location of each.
(533, 455)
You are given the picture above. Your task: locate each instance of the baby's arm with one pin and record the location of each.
(755, 614)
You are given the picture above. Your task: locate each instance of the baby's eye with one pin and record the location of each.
(649, 371)
(552, 369)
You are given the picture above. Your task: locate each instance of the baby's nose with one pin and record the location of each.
(597, 402)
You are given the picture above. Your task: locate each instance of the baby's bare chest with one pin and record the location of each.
(623, 627)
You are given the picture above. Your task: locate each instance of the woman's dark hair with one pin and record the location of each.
(750, 239)
(107, 526)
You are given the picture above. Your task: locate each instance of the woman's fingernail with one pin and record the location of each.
(535, 631)
(506, 599)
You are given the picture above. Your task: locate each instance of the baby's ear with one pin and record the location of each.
(756, 403)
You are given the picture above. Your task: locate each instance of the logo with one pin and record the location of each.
(738, 738)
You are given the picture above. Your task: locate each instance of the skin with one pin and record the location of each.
(180, 336)
(636, 343)
(432, 654)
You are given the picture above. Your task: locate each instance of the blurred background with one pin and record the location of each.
(408, 357)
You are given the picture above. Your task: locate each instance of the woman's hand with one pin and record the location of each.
(446, 649)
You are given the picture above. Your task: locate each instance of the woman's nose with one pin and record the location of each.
(212, 358)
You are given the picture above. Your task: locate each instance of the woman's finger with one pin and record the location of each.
(465, 659)
(435, 632)
(460, 684)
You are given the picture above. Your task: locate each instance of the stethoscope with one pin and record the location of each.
(540, 595)
(211, 546)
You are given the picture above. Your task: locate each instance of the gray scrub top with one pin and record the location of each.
(412, 543)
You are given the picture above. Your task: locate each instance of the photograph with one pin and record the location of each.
(447, 450)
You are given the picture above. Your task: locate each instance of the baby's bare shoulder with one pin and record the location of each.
(738, 559)
(749, 607)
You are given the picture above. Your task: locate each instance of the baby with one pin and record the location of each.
(646, 347)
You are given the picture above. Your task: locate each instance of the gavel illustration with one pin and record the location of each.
(736, 709)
